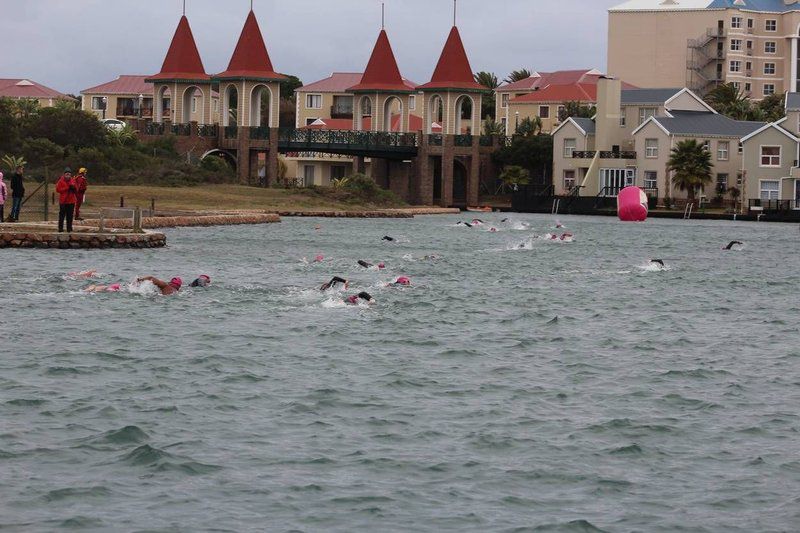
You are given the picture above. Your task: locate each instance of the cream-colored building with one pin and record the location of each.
(630, 140)
(701, 43)
(24, 89)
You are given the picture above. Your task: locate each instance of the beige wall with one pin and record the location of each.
(451, 124)
(206, 109)
(324, 112)
(755, 173)
(111, 106)
(562, 163)
(532, 110)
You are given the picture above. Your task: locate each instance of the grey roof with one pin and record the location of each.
(648, 96)
(793, 102)
(586, 124)
(707, 124)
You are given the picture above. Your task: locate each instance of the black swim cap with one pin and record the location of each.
(365, 296)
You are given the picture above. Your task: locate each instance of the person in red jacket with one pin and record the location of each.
(67, 196)
(81, 185)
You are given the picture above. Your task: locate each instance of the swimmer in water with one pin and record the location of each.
(356, 298)
(202, 281)
(462, 223)
(402, 280)
(86, 274)
(567, 237)
(167, 289)
(659, 262)
(559, 225)
(115, 287)
(734, 243)
(364, 264)
(336, 280)
(387, 238)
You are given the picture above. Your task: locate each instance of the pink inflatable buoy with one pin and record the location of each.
(632, 205)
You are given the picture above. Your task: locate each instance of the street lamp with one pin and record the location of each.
(105, 105)
(141, 103)
(517, 125)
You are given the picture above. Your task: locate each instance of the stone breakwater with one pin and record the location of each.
(80, 240)
(193, 221)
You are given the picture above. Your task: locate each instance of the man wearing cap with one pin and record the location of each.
(166, 289)
(67, 196)
(81, 185)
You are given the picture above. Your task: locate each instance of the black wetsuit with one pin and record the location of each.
(732, 244)
(364, 264)
(387, 238)
(333, 282)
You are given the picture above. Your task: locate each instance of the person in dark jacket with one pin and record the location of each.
(67, 196)
(17, 194)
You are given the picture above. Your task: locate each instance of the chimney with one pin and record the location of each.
(609, 103)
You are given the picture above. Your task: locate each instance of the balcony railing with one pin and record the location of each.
(617, 155)
(773, 206)
(463, 140)
(231, 132)
(435, 139)
(207, 130)
(583, 154)
(154, 128)
(183, 130)
(486, 140)
(260, 133)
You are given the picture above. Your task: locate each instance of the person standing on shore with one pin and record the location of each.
(68, 195)
(81, 185)
(3, 195)
(17, 194)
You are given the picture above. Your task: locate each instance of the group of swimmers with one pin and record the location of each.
(169, 288)
(336, 282)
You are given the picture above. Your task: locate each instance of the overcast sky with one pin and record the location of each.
(72, 45)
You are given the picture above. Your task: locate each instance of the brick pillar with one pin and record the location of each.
(271, 172)
(193, 130)
(380, 172)
(243, 155)
(252, 179)
(448, 160)
(422, 182)
(474, 177)
(359, 166)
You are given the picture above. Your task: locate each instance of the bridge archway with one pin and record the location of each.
(193, 96)
(224, 154)
(392, 107)
(230, 106)
(364, 112)
(261, 106)
(163, 104)
(460, 178)
(435, 113)
(465, 108)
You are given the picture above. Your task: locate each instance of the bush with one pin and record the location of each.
(215, 163)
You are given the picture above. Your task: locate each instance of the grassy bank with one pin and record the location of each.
(212, 197)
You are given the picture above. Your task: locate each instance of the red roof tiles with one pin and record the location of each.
(183, 60)
(579, 92)
(340, 82)
(125, 84)
(453, 70)
(22, 88)
(382, 73)
(250, 58)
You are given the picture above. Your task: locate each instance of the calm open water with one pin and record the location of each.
(658, 401)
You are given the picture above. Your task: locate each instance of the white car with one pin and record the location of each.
(113, 124)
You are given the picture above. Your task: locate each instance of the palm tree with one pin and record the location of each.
(691, 164)
(513, 176)
(518, 75)
(123, 137)
(487, 79)
(576, 109)
(26, 108)
(492, 127)
(13, 162)
(528, 127)
(729, 100)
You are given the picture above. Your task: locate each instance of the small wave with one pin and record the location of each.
(633, 449)
(80, 493)
(575, 526)
(25, 402)
(126, 435)
(161, 461)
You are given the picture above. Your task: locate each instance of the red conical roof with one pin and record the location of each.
(382, 74)
(183, 60)
(251, 59)
(453, 70)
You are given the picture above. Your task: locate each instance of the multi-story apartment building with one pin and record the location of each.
(701, 43)
(23, 89)
(543, 95)
(630, 140)
(129, 96)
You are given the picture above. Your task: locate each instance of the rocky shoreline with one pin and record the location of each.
(81, 240)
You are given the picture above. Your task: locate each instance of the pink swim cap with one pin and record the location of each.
(353, 299)
(381, 265)
(116, 287)
(319, 258)
(402, 280)
(176, 282)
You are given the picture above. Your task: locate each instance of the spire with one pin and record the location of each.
(453, 70)
(183, 60)
(250, 58)
(382, 73)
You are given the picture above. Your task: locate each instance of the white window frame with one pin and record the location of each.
(306, 173)
(310, 101)
(194, 104)
(570, 150)
(770, 69)
(707, 145)
(771, 22)
(769, 89)
(559, 109)
(541, 107)
(650, 151)
(504, 98)
(311, 120)
(770, 44)
(623, 119)
(612, 177)
(736, 45)
(776, 191)
(99, 101)
(736, 23)
(650, 178)
(412, 102)
(574, 179)
(645, 113)
(723, 150)
(772, 162)
(735, 66)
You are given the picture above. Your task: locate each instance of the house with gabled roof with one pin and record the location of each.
(25, 89)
